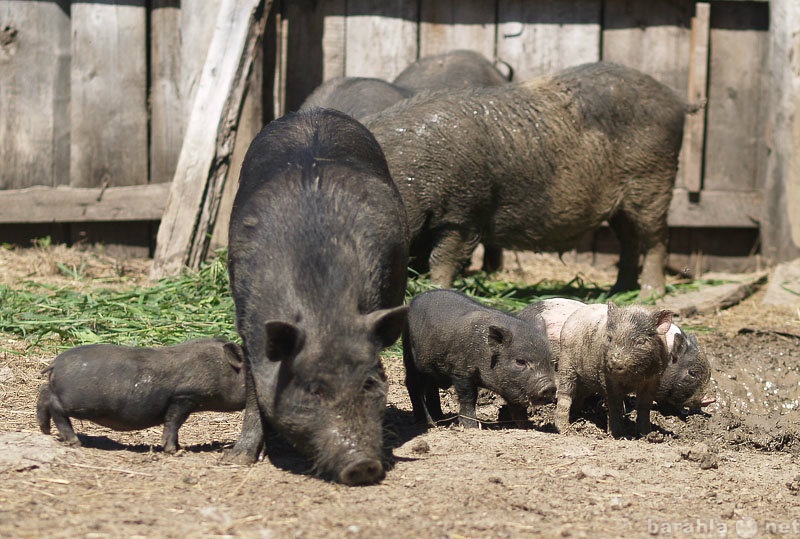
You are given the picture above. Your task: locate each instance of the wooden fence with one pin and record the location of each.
(95, 96)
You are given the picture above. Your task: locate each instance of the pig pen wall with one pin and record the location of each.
(94, 162)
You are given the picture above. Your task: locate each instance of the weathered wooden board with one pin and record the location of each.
(334, 35)
(736, 149)
(781, 225)
(108, 136)
(738, 209)
(652, 36)
(198, 18)
(65, 204)
(166, 107)
(203, 164)
(34, 93)
(540, 37)
(447, 25)
(694, 129)
(304, 51)
(381, 37)
(714, 298)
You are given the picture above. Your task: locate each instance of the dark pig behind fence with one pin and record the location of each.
(356, 96)
(537, 165)
(130, 388)
(454, 69)
(318, 265)
(452, 340)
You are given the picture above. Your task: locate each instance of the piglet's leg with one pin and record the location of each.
(467, 398)
(62, 422)
(177, 413)
(644, 400)
(451, 252)
(616, 413)
(567, 387)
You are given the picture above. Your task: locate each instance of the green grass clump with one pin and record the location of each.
(199, 304)
(196, 304)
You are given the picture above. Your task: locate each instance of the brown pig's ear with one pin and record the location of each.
(679, 347)
(386, 325)
(234, 354)
(284, 340)
(663, 320)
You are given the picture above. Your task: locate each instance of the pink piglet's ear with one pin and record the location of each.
(663, 320)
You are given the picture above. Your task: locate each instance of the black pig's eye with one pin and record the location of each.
(521, 362)
(370, 384)
(692, 373)
(315, 390)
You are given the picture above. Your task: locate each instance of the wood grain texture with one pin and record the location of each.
(81, 204)
(447, 25)
(34, 93)
(108, 135)
(540, 37)
(720, 209)
(204, 161)
(381, 37)
(166, 107)
(735, 152)
(694, 129)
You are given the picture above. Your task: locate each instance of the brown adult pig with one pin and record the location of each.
(452, 340)
(537, 165)
(612, 351)
(129, 388)
(455, 69)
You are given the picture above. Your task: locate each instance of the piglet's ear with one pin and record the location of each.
(284, 340)
(234, 354)
(498, 338)
(539, 325)
(386, 325)
(679, 346)
(663, 320)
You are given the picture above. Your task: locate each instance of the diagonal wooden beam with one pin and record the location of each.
(203, 164)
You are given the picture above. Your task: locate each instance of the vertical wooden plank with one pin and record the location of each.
(34, 93)
(780, 228)
(735, 146)
(447, 25)
(166, 107)
(108, 138)
(303, 52)
(251, 121)
(539, 37)
(334, 29)
(652, 36)
(694, 128)
(381, 37)
(198, 18)
(203, 165)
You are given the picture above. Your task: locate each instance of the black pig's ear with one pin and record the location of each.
(679, 347)
(234, 354)
(386, 325)
(498, 338)
(284, 340)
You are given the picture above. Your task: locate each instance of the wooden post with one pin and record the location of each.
(204, 160)
(780, 231)
(694, 130)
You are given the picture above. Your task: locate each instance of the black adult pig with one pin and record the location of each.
(357, 96)
(452, 340)
(454, 69)
(612, 351)
(129, 388)
(318, 262)
(684, 382)
(536, 165)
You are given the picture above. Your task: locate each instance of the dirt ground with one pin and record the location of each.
(732, 472)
